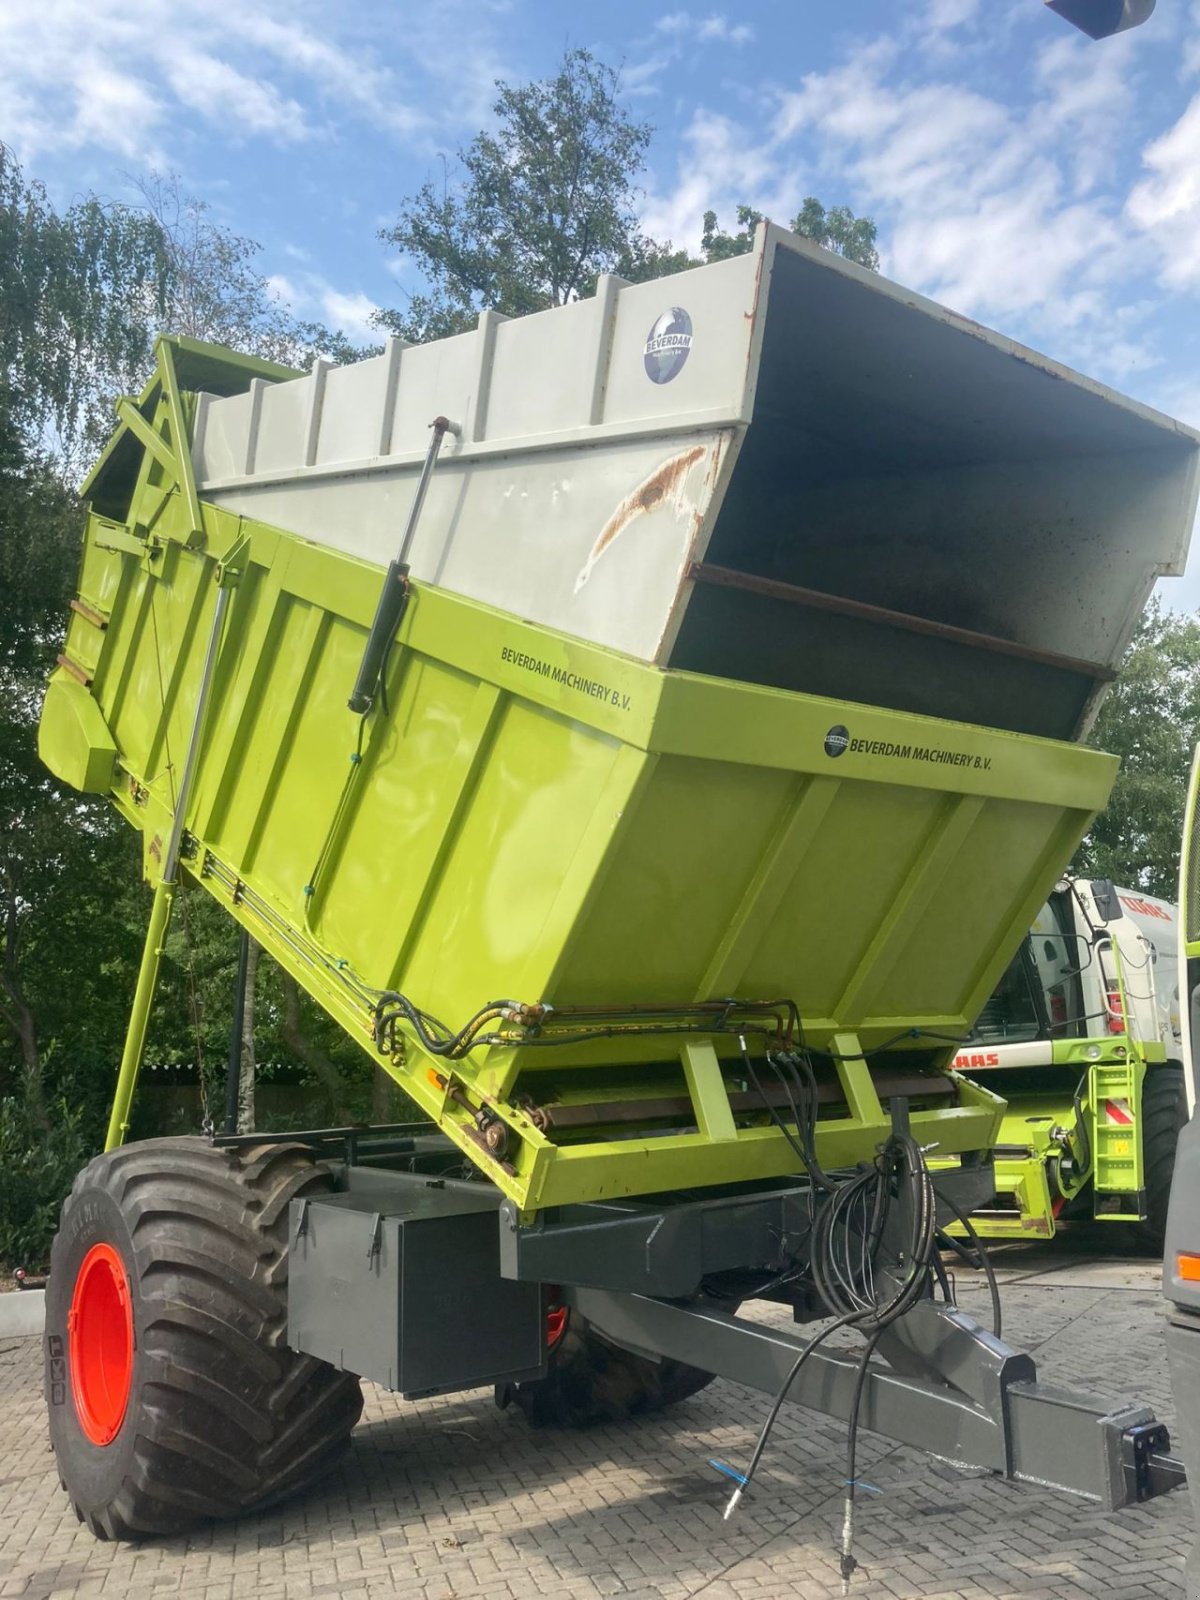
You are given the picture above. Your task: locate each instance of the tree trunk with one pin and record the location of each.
(381, 1095)
(313, 1057)
(245, 1112)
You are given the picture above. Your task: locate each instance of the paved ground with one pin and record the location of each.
(451, 1499)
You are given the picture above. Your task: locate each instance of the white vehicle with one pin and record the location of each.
(1082, 1038)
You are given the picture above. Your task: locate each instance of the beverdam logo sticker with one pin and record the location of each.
(667, 345)
(837, 740)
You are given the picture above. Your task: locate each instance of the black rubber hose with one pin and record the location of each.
(982, 1262)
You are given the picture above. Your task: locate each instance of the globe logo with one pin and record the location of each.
(837, 740)
(667, 345)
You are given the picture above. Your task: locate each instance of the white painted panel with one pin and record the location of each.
(592, 543)
(222, 452)
(897, 453)
(719, 302)
(282, 425)
(542, 376)
(438, 379)
(351, 412)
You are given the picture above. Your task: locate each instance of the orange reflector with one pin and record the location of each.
(1187, 1266)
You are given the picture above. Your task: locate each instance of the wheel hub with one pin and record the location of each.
(100, 1344)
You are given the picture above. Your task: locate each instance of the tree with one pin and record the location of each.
(545, 204)
(837, 229)
(80, 294)
(538, 209)
(1151, 719)
(216, 291)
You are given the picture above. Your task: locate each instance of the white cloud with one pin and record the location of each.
(240, 103)
(1004, 203)
(989, 206)
(672, 36)
(941, 14)
(311, 296)
(719, 169)
(131, 77)
(1166, 203)
(719, 29)
(1086, 102)
(350, 313)
(714, 27)
(282, 289)
(355, 77)
(119, 111)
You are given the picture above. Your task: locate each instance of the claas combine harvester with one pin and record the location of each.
(649, 728)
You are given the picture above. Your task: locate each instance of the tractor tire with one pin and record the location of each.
(172, 1394)
(590, 1380)
(1164, 1113)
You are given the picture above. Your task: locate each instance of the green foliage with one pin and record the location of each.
(535, 211)
(80, 292)
(544, 204)
(37, 1166)
(191, 1019)
(837, 229)
(1151, 719)
(40, 529)
(216, 291)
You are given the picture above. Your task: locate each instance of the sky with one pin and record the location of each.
(1019, 172)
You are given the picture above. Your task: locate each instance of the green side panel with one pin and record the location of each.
(73, 739)
(533, 819)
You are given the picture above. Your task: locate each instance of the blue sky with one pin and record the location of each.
(1048, 185)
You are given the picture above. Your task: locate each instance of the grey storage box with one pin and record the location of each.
(402, 1285)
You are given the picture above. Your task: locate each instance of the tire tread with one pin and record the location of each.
(227, 1417)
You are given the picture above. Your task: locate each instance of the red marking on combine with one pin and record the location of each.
(969, 1060)
(1118, 1111)
(1144, 908)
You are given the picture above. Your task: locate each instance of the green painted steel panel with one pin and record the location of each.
(537, 819)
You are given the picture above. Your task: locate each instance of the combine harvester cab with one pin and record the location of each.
(742, 628)
(1082, 1038)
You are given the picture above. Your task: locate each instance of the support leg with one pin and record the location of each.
(143, 998)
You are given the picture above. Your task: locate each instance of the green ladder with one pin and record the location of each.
(1115, 1096)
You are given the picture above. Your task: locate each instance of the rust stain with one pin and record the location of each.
(664, 484)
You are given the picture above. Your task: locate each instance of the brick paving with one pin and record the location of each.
(450, 1499)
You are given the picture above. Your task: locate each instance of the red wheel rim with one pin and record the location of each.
(100, 1344)
(556, 1323)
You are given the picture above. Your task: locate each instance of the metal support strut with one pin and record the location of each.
(164, 892)
(393, 597)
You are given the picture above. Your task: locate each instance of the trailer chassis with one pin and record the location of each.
(660, 1278)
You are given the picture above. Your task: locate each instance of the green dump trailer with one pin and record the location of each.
(606, 716)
